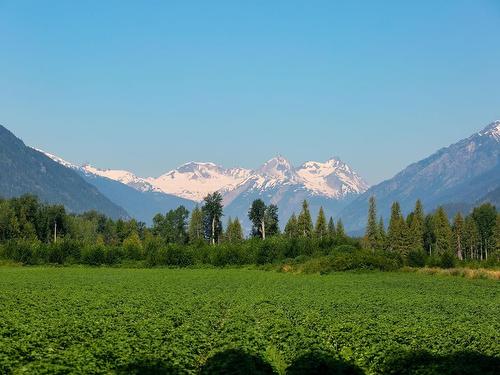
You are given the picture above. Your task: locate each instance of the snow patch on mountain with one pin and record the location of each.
(125, 177)
(194, 180)
(492, 130)
(333, 178)
(57, 159)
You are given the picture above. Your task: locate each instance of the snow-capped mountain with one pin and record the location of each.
(195, 180)
(125, 177)
(333, 178)
(331, 184)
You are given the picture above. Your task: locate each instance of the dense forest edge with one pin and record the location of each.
(34, 233)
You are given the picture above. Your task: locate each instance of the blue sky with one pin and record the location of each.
(149, 85)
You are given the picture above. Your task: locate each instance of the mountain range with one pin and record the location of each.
(331, 184)
(457, 176)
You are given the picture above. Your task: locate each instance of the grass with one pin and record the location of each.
(113, 320)
(469, 273)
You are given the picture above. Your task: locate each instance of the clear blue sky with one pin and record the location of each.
(149, 85)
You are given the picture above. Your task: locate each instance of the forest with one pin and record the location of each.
(32, 232)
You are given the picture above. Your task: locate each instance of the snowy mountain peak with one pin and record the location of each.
(194, 166)
(279, 168)
(333, 178)
(492, 130)
(194, 180)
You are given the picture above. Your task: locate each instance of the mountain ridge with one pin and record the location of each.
(461, 173)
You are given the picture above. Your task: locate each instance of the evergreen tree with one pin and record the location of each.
(395, 230)
(405, 244)
(237, 231)
(304, 221)
(417, 224)
(341, 236)
(429, 235)
(291, 228)
(381, 234)
(471, 238)
(458, 235)
(196, 231)
(321, 229)
(234, 232)
(371, 238)
(331, 228)
(212, 213)
(272, 220)
(442, 231)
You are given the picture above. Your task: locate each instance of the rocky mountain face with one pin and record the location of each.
(460, 174)
(24, 170)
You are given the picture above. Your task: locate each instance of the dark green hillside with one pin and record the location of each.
(24, 170)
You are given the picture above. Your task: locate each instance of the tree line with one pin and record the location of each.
(473, 237)
(33, 232)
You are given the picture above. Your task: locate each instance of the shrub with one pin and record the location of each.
(177, 255)
(416, 258)
(94, 255)
(132, 247)
(447, 260)
(345, 249)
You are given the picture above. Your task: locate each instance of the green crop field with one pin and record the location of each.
(106, 320)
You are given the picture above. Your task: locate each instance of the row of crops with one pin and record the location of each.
(104, 320)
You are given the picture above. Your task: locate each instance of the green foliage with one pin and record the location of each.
(416, 258)
(442, 231)
(321, 229)
(291, 228)
(196, 230)
(171, 321)
(234, 231)
(372, 235)
(173, 226)
(212, 213)
(304, 221)
(132, 247)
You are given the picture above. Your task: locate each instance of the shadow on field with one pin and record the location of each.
(321, 363)
(422, 362)
(149, 367)
(236, 362)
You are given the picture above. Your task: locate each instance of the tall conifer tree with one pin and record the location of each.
(331, 228)
(417, 227)
(304, 221)
(320, 230)
(442, 231)
(395, 230)
(371, 234)
(291, 228)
